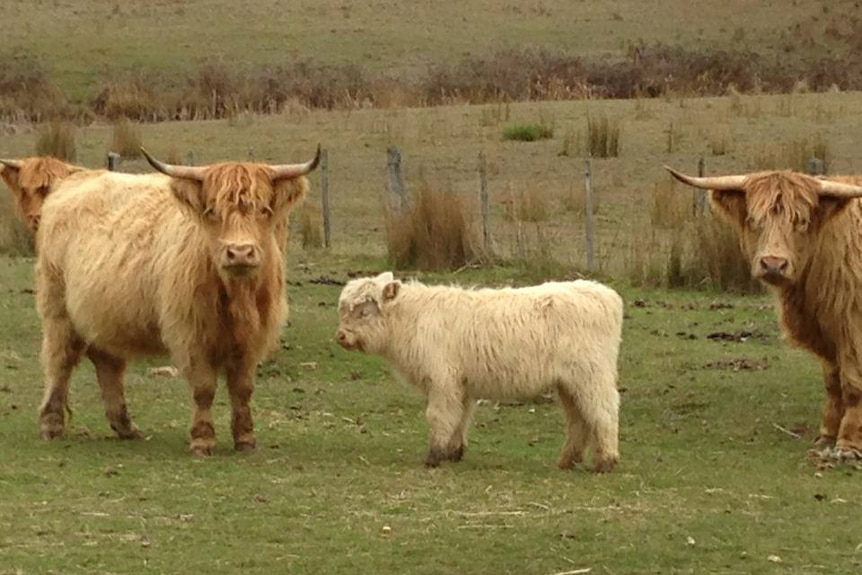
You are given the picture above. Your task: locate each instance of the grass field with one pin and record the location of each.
(83, 42)
(711, 481)
(718, 412)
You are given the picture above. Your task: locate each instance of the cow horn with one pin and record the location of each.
(839, 190)
(288, 171)
(185, 172)
(14, 164)
(720, 183)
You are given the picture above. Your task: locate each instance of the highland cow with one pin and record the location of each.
(803, 239)
(31, 180)
(459, 345)
(188, 263)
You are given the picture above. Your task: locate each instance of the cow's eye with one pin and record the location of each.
(266, 212)
(209, 212)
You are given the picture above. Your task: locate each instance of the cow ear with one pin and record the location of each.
(10, 176)
(830, 206)
(189, 193)
(730, 205)
(287, 193)
(391, 290)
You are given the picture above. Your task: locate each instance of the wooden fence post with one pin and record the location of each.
(485, 202)
(324, 197)
(816, 167)
(588, 214)
(113, 161)
(397, 192)
(699, 198)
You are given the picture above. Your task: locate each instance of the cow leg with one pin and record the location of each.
(109, 373)
(61, 351)
(458, 444)
(848, 445)
(240, 385)
(444, 413)
(577, 433)
(202, 381)
(833, 409)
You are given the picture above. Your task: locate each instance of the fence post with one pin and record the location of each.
(113, 161)
(324, 196)
(486, 207)
(816, 167)
(397, 192)
(588, 215)
(699, 199)
(190, 158)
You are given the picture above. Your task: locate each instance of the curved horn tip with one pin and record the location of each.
(316, 160)
(14, 164)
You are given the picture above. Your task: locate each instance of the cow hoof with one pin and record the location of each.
(245, 445)
(128, 433)
(846, 454)
(201, 450)
(824, 441)
(432, 461)
(49, 433)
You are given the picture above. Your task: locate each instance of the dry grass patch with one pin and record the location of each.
(433, 232)
(57, 139)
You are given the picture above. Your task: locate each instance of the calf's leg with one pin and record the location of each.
(577, 433)
(445, 412)
(458, 443)
(62, 348)
(598, 401)
(240, 385)
(109, 373)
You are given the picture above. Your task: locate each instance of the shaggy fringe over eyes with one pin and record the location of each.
(783, 192)
(244, 186)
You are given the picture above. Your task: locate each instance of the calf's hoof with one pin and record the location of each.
(202, 447)
(457, 454)
(605, 465)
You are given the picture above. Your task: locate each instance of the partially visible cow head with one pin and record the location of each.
(240, 206)
(361, 311)
(30, 181)
(777, 216)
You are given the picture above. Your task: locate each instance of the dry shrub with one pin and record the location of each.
(716, 258)
(15, 238)
(126, 139)
(670, 204)
(433, 233)
(311, 226)
(532, 205)
(57, 139)
(793, 155)
(603, 137)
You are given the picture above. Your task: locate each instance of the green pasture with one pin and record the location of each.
(82, 43)
(717, 417)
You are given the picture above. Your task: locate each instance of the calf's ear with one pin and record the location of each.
(391, 290)
(9, 171)
(287, 193)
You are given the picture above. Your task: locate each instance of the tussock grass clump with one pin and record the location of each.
(603, 137)
(126, 139)
(432, 234)
(793, 155)
(311, 226)
(15, 238)
(528, 132)
(57, 139)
